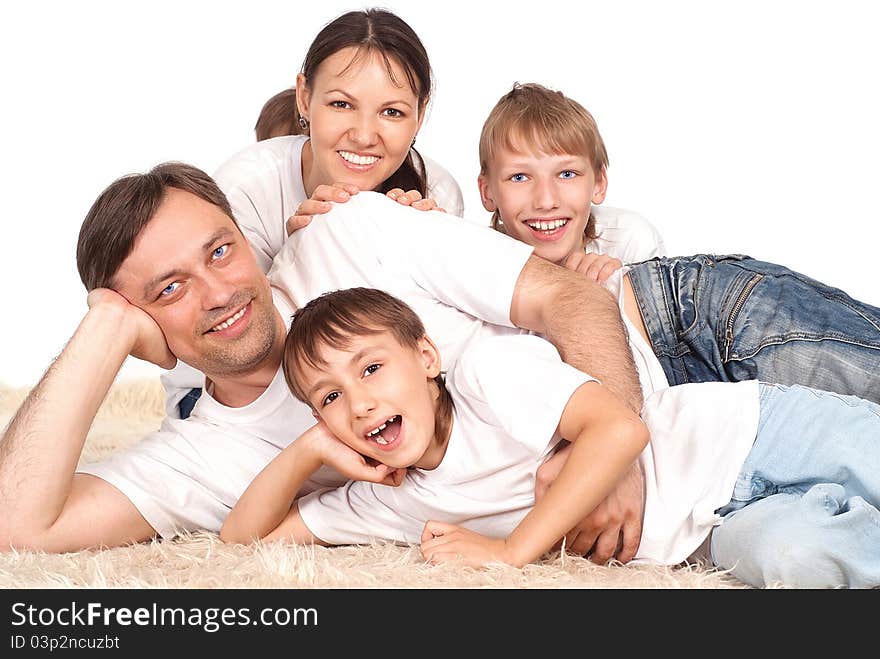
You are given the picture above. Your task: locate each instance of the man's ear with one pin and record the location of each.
(430, 357)
(600, 188)
(302, 96)
(486, 194)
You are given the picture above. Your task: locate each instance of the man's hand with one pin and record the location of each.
(149, 342)
(346, 460)
(614, 528)
(597, 267)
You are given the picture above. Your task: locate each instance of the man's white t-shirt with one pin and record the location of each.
(190, 473)
(264, 185)
(625, 235)
(509, 394)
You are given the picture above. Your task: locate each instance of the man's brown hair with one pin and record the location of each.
(121, 212)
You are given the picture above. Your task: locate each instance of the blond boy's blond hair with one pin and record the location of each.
(535, 117)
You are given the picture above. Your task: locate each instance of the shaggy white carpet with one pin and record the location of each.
(201, 561)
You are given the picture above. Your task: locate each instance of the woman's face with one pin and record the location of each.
(361, 122)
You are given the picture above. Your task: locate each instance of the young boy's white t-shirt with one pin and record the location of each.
(189, 474)
(625, 235)
(509, 394)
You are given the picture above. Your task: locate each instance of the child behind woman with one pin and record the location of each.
(453, 464)
(543, 167)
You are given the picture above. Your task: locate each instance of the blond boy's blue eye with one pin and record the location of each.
(518, 178)
(567, 174)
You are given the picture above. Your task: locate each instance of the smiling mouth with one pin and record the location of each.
(356, 159)
(230, 321)
(546, 226)
(385, 433)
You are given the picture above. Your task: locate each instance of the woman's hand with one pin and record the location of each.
(595, 266)
(320, 203)
(413, 198)
(445, 543)
(347, 461)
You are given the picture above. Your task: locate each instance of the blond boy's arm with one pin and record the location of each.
(606, 439)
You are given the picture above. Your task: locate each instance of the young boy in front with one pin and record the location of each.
(453, 464)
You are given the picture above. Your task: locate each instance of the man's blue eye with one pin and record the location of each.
(567, 174)
(220, 251)
(170, 288)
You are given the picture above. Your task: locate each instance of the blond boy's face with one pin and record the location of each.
(378, 397)
(544, 199)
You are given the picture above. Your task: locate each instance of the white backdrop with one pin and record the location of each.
(748, 127)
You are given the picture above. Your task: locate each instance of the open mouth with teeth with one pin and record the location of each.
(386, 434)
(547, 229)
(230, 324)
(358, 161)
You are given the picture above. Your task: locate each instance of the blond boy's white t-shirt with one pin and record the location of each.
(509, 394)
(625, 235)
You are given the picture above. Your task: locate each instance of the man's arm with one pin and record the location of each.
(582, 320)
(606, 438)
(43, 505)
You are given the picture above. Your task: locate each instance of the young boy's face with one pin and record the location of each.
(379, 398)
(544, 199)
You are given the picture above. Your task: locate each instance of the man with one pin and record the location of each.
(171, 276)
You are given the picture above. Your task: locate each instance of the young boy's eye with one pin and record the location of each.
(518, 178)
(567, 174)
(372, 368)
(329, 398)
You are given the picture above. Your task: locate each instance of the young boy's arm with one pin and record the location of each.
(606, 439)
(266, 510)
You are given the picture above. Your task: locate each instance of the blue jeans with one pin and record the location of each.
(731, 318)
(804, 509)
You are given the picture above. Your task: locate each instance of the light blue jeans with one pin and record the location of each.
(804, 509)
(731, 318)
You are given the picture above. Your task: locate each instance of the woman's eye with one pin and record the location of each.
(169, 289)
(567, 174)
(339, 104)
(329, 398)
(518, 178)
(392, 112)
(221, 251)
(372, 368)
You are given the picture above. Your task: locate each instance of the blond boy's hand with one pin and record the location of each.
(447, 543)
(595, 266)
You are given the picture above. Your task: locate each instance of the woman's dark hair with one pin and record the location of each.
(378, 31)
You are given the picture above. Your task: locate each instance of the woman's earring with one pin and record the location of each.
(303, 123)
(413, 143)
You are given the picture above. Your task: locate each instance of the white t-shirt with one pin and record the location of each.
(509, 394)
(189, 473)
(625, 235)
(264, 186)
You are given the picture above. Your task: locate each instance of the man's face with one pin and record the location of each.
(194, 273)
(379, 398)
(544, 199)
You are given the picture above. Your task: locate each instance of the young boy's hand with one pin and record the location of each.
(595, 266)
(445, 543)
(349, 462)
